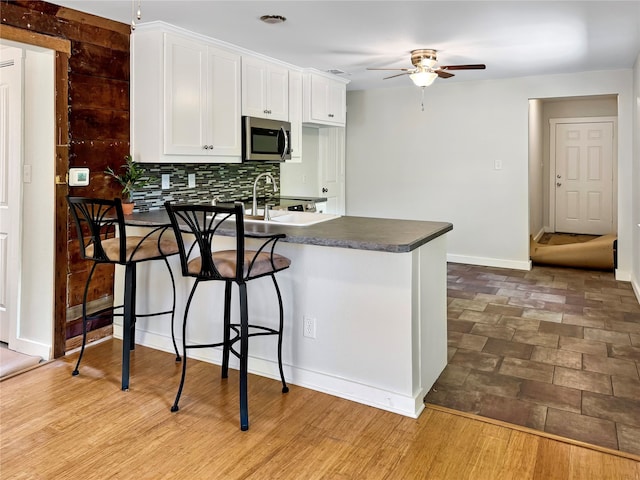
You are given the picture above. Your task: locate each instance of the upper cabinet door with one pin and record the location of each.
(223, 120)
(265, 89)
(201, 99)
(295, 115)
(185, 97)
(324, 100)
(277, 92)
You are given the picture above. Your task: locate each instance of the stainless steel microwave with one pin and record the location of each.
(265, 140)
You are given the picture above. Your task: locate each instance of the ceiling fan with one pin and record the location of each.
(426, 69)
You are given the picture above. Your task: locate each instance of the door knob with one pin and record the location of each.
(325, 190)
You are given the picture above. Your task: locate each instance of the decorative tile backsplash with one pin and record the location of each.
(230, 181)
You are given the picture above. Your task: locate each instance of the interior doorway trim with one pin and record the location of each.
(553, 122)
(62, 48)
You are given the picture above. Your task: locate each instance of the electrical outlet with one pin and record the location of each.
(192, 180)
(309, 327)
(165, 181)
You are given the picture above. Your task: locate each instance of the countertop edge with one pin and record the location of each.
(356, 233)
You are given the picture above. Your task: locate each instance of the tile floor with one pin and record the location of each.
(554, 349)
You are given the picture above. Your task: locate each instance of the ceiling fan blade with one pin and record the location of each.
(477, 66)
(443, 74)
(398, 75)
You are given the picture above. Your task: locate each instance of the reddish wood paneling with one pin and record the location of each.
(62, 217)
(100, 61)
(92, 122)
(100, 287)
(86, 124)
(98, 92)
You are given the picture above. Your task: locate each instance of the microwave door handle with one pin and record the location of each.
(286, 143)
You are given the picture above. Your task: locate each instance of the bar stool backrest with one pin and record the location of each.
(97, 220)
(203, 222)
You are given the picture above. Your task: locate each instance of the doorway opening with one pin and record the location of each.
(573, 171)
(27, 213)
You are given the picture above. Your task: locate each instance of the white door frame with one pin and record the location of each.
(32, 330)
(553, 122)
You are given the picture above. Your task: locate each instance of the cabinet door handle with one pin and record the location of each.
(325, 190)
(206, 147)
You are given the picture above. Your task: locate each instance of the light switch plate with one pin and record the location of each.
(78, 177)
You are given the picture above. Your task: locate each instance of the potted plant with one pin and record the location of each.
(131, 178)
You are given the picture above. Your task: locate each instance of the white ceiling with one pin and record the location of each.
(513, 38)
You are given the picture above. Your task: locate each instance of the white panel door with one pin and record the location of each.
(331, 163)
(584, 178)
(10, 186)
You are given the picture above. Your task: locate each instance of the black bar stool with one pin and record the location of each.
(195, 227)
(97, 222)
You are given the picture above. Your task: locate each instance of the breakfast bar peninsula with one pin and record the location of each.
(365, 305)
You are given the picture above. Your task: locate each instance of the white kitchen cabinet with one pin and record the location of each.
(265, 89)
(295, 115)
(324, 100)
(186, 99)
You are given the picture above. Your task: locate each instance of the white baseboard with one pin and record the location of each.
(30, 347)
(409, 406)
(490, 262)
(622, 275)
(635, 283)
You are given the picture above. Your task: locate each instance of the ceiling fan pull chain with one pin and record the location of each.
(422, 99)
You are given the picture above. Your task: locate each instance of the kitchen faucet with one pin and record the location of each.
(254, 205)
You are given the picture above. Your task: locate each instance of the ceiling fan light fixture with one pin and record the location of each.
(423, 78)
(427, 62)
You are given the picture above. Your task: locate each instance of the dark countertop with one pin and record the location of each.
(360, 233)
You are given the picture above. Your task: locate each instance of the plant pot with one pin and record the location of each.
(127, 208)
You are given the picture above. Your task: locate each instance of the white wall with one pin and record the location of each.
(440, 164)
(536, 168)
(635, 241)
(37, 302)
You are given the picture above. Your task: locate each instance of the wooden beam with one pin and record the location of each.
(95, 21)
(7, 32)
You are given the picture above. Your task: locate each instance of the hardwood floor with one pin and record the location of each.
(55, 426)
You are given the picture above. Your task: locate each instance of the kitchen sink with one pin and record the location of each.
(291, 218)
